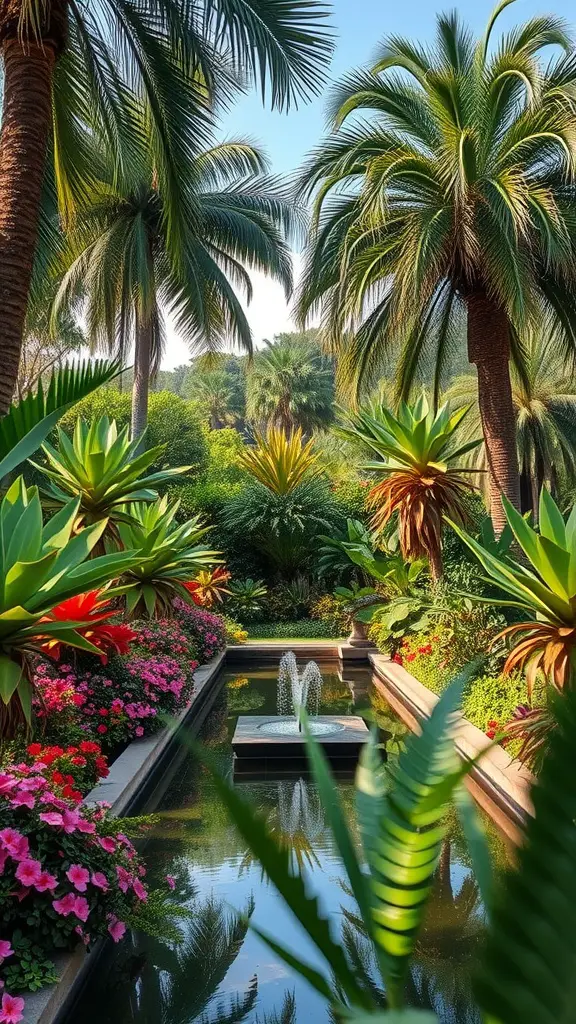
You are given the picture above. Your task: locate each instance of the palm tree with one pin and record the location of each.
(544, 398)
(67, 64)
(450, 203)
(124, 263)
(290, 386)
(213, 389)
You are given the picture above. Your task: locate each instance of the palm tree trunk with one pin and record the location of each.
(141, 386)
(436, 566)
(489, 349)
(26, 120)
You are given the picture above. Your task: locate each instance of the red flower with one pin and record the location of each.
(89, 747)
(397, 658)
(34, 749)
(101, 728)
(89, 613)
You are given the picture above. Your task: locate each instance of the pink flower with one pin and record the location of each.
(107, 843)
(78, 876)
(86, 826)
(15, 844)
(139, 731)
(116, 928)
(5, 949)
(139, 890)
(81, 908)
(51, 818)
(70, 820)
(11, 1009)
(7, 783)
(46, 882)
(23, 799)
(28, 872)
(66, 905)
(100, 881)
(171, 881)
(124, 878)
(3, 859)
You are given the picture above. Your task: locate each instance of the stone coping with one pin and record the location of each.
(501, 785)
(271, 650)
(128, 775)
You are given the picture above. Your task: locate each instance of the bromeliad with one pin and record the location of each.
(92, 612)
(208, 586)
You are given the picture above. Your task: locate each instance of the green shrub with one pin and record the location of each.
(305, 629)
(224, 448)
(331, 613)
(202, 497)
(495, 698)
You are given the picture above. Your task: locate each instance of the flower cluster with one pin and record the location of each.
(165, 638)
(492, 729)
(76, 769)
(207, 631)
(66, 872)
(166, 685)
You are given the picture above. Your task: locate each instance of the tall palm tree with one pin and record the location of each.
(544, 399)
(124, 264)
(67, 63)
(214, 390)
(290, 386)
(450, 201)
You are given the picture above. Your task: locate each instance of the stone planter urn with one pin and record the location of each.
(359, 635)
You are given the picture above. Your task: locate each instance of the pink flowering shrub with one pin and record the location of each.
(67, 873)
(206, 630)
(164, 638)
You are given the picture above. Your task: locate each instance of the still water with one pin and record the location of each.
(221, 973)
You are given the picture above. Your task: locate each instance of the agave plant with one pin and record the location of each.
(170, 556)
(280, 461)
(418, 455)
(102, 467)
(246, 597)
(41, 565)
(525, 973)
(545, 588)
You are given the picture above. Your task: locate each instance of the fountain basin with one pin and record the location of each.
(262, 737)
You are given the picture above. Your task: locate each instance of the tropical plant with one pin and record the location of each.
(291, 386)
(214, 392)
(208, 586)
(246, 597)
(42, 564)
(66, 67)
(444, 213)
(389, 621)
(92, 611)
(123, 259)
(418, 456)
(281, 461)
(101, 467)
(544, 398)
(544, 587)
(334, 557)
(170, 556)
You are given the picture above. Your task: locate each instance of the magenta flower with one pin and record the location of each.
(7, 783)
(81, 908)
(124, 878)
(66, 905)
(116, 928)
(23, 799)
(100, 881)
(28, 872)
(87, 827)
(139, 890)
(107, 843)
(46, 882)
(171, 881)
(51, 818)
(11, 1009)
(78, 876)
(70, 820)
(5, 949)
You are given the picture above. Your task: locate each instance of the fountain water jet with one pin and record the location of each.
(298, 691)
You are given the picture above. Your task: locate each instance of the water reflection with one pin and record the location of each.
(221, 972)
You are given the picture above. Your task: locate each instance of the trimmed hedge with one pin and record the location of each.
(305, 629)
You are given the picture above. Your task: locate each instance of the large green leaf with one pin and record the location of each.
(27, 424)
(529, 965)
(10, 676)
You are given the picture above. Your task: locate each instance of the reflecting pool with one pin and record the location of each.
(221, 973)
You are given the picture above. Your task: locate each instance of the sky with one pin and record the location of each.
(359, 25)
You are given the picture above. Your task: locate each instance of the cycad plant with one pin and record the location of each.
(280, 461)
(544, 398)
(444, 212)
(543, 586)
(68, 65)
(421, 461)
(525, 972)
(42, 564)
(170, 556)
(100, 466)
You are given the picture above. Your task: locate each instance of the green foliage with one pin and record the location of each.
(247, 598)
(291, 385)
(224, 448)
(102, 468)
(304, 629)
(335, 550)
(409, 613)
(172, 422)
(495, 698)
(205, 498)
(29, 969)
(330, 612)
(170, 555)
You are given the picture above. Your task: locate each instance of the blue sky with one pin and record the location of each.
(359, 26)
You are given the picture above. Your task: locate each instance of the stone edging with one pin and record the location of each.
(128, 774)
(499, 784)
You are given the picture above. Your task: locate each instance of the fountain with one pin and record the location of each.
(260, 736)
